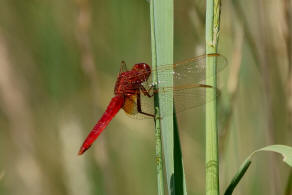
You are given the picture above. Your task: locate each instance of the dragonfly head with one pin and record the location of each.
(143, 69)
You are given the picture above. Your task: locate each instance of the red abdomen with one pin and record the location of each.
(114, 106)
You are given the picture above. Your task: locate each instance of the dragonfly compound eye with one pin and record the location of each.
(144, 69)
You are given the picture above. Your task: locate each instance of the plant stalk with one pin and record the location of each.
(212, 34)
(158, 141)
(161, 14)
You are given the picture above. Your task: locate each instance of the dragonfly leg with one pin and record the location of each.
(123, 67)
(139, 109)
(146, 92)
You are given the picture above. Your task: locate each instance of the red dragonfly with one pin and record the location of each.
(132, 89)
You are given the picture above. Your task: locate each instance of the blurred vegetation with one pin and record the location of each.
(58, 64)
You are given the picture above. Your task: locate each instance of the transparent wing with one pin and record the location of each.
(189, 88)
(191, 70)
(188, 97)
(185, 97)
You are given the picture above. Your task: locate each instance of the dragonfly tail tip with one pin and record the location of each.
(82, 150)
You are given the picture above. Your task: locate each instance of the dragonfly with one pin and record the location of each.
(134, 90)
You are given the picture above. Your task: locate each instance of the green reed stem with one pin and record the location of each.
(161, 18)
(212, 163)
(158, 145)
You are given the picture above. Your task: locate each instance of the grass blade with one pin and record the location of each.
(285, 151)
(237, 177)
(180, 183)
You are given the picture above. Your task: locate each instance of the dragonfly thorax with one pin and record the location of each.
(129, 82)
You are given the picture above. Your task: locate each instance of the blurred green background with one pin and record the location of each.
(58, 64)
